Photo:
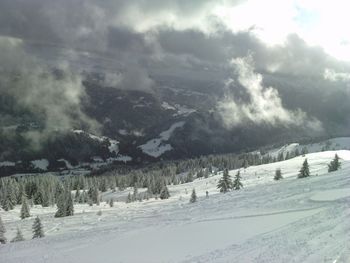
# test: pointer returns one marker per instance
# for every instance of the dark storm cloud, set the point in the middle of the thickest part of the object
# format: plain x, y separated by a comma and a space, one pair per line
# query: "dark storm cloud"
140, 35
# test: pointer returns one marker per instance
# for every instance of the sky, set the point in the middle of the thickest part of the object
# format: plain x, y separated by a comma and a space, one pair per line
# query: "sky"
133, 40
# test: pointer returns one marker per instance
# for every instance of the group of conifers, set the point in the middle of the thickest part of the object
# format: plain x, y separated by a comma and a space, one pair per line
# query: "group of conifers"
225, 185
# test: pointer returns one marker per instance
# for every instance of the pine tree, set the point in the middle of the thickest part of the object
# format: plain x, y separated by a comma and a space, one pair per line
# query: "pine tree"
237, 182
278, 174
37, 227
335, 164
2, 232
164, 194
25, 211
287, 156
129, 198
304, 151
19, 236
61, 206
190, 177
225, 182
134, 195
193, 196
304, 171
70, 205
77, 196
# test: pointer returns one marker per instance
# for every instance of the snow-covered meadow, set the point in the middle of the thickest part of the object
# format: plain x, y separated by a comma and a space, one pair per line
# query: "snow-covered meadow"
292, 220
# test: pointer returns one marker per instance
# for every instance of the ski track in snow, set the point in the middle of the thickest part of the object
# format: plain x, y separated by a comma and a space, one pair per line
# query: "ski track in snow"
292, 220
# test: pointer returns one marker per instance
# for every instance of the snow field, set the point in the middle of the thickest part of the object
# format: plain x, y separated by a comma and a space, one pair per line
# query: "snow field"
292, 220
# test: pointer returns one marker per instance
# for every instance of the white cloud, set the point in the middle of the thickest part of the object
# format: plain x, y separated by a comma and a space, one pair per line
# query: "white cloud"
264, 105
336, 76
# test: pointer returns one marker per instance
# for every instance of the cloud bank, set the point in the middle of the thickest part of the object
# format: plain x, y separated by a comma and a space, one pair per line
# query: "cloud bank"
262, 105
57, 96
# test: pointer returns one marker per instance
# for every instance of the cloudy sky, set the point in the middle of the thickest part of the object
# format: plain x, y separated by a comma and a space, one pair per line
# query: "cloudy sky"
132, 39
205, 30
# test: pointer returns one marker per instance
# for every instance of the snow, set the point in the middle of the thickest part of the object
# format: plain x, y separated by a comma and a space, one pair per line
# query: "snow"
331, 195
7, 163
67, 163
123, 132
331, 144
167, 106
41, 164
181, 110
113, 147
155, 147
292, 220
123, 158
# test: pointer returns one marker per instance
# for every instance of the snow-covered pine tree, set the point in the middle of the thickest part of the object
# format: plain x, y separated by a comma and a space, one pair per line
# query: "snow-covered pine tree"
287, 156
61, 206
129, 198
304, 151
77, 196
190, 176
19, 236
38, 231
304, 170
278, 174
2, 232
225, 182
6, 202
335, 164
237, 182
164, 193
193, 196
134, 195
69, 203
25, 211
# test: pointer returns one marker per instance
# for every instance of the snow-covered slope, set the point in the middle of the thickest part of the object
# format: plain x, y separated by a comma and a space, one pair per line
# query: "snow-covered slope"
156, 147
292, 220
333, 144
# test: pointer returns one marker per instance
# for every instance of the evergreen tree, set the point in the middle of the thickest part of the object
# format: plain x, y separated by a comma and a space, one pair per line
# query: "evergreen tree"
237, 182
6, 202
164, 194
77, 196
190, 177
335, 164
129, 198
280, 157
61, 206
245, 164
134, 195
287, 156
37, 227
225, 182
2, 232
19, 236
304, 151
25, 211
278, 174
304, 171
193, 196
70, 205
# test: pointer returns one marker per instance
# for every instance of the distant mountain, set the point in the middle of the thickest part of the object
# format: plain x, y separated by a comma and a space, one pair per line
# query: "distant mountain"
175, 120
